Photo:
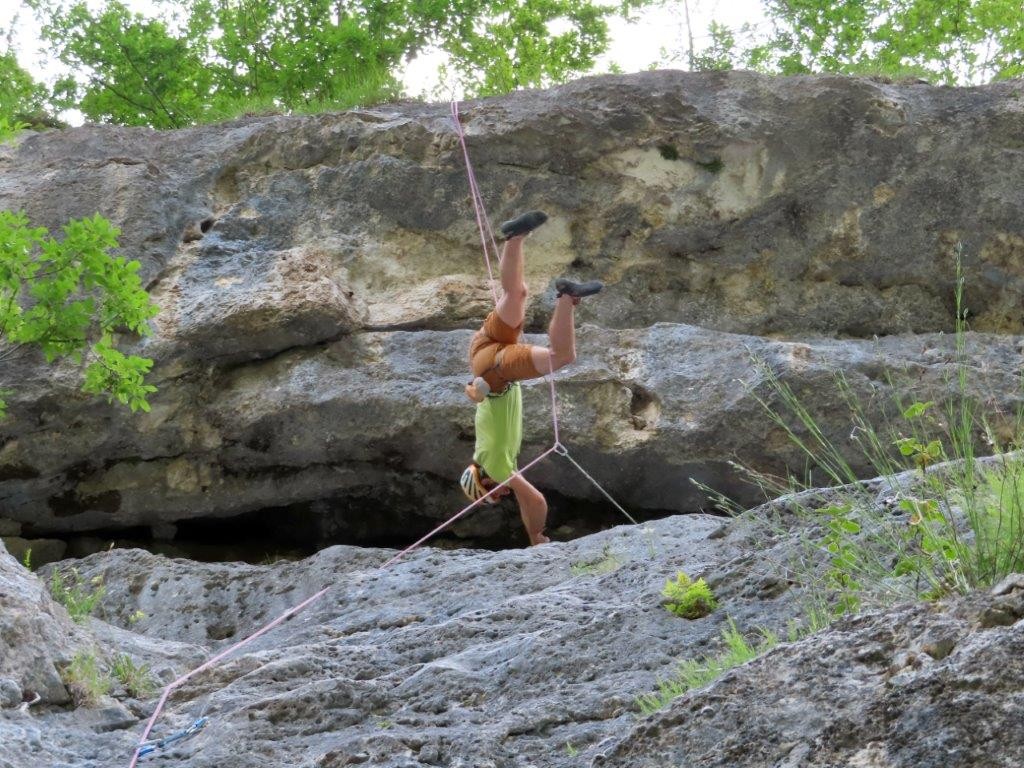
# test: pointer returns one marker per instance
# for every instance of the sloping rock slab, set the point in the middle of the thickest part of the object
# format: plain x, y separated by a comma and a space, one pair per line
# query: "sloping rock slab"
535, 658
446, 658
913, 687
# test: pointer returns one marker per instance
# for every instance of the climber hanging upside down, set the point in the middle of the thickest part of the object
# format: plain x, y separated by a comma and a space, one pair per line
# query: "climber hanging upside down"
499, 361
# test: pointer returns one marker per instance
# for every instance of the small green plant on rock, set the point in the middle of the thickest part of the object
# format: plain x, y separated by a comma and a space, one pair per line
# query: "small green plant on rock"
687, 598
607, 563
86, 680
78, 596
696, 673
715, 165
136, 678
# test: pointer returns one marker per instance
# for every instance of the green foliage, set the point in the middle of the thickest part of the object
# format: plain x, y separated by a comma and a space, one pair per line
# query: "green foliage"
86, 680
27, 559
20, 95
70, 297
136, 617
696, 673
668, 151
714, 165
138, 71
841, 573
958, 526
607, 563
9, 129
136, 678
962, 42
213, 59
722, 52
687, 598
78, 596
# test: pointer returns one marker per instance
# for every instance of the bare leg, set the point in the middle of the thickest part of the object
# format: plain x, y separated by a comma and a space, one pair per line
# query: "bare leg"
533, 508
512, 304
561, 336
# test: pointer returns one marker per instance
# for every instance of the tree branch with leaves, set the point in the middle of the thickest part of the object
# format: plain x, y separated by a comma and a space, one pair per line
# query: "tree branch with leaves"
70, 298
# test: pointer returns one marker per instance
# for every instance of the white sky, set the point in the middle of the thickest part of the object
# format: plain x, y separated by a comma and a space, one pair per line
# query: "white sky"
658, 37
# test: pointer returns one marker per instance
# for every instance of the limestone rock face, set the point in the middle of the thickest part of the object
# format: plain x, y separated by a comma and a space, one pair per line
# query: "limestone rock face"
319, 278
536, 658
900, 688
37, 638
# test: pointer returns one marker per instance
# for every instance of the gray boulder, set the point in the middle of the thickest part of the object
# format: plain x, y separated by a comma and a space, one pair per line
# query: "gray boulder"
37, 638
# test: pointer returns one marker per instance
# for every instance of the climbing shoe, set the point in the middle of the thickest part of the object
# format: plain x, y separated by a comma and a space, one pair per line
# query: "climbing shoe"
523, 224
564, 287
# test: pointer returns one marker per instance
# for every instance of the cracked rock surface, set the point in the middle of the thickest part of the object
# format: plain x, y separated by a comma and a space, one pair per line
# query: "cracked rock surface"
319, 277
533, 658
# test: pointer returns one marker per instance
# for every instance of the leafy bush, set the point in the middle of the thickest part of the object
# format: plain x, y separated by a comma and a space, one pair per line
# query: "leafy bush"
688, 599
10, 128
86, 680
79, 597
135, 678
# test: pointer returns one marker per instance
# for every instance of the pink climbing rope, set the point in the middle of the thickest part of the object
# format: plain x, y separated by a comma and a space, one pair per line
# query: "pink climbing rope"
478, 207
557, 447
211, 661
306, 603
456, 516
483, 222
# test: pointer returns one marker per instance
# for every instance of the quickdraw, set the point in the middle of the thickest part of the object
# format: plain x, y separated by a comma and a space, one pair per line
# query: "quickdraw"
153, 745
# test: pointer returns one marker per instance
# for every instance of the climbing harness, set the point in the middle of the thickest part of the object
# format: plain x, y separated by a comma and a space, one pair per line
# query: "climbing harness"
146, 746
151, 746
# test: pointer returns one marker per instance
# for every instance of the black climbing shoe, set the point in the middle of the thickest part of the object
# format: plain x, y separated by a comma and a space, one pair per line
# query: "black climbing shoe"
564, 287
523, 224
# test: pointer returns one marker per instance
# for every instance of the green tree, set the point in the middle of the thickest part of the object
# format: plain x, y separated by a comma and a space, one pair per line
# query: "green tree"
69, 298
721, 53
21, 97
128, 69
217, 58
293, 54
496, 47
948, 41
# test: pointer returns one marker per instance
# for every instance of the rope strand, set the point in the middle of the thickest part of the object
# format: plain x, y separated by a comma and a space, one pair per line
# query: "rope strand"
478, 207
485, 233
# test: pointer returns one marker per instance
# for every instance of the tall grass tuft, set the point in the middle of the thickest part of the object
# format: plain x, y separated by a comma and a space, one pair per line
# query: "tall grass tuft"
696, 673
78, 596
86, 680
954, 523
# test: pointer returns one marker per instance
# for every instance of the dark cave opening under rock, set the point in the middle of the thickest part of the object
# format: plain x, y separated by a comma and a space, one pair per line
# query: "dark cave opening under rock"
296, 531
